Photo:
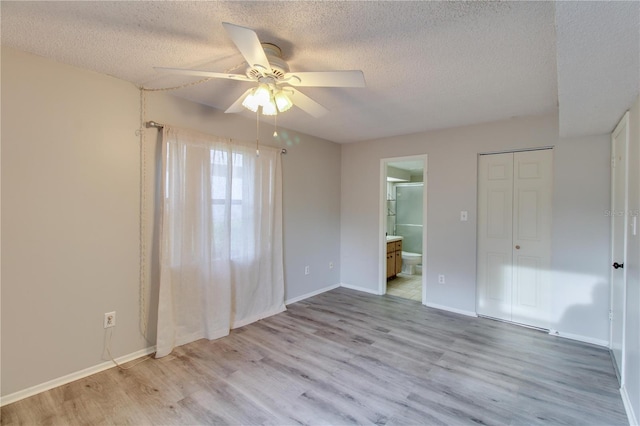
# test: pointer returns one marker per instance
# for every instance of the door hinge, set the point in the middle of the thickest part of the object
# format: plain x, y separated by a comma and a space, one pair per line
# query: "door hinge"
613, 162
610, 316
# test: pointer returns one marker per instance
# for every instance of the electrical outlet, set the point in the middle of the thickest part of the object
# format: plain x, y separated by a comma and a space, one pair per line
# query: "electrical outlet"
440, 279
306, 270
330, 265
110, 319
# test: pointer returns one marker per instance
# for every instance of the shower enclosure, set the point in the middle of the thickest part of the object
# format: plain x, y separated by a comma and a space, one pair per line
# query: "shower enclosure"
408, 215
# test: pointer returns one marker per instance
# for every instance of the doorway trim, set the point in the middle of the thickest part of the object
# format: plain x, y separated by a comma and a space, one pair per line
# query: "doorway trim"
382, 216
622, 126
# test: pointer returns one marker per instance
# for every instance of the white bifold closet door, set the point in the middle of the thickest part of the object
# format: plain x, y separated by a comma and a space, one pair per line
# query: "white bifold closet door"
514, 236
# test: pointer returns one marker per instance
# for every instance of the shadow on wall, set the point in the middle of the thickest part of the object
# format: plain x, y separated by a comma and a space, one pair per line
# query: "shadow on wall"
578, 303
576, 314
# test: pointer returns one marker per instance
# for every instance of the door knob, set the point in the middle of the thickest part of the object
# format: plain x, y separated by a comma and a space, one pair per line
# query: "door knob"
617, 265
517, 247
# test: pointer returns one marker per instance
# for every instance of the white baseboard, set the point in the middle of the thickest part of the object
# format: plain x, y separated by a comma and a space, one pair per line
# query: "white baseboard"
308, 295
246, 321
633, 420
363, 289
450, 309
580, 338
34, 390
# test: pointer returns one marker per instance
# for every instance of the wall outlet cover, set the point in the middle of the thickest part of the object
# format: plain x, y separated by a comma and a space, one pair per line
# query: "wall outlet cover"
109, 319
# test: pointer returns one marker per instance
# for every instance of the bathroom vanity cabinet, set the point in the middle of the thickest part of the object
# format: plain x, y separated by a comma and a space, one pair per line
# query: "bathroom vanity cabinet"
394, 258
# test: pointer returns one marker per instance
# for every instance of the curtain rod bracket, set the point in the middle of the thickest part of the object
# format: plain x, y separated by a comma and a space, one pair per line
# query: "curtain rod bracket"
150, 124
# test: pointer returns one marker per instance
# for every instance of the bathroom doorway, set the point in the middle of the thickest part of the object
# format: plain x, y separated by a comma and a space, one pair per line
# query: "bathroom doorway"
403, 202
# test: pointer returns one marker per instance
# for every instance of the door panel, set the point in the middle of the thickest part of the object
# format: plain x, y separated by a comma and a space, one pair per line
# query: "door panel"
498, 208
525, 291
499, 285
514, 236
495, 234
532, 239
528, 207
528, 169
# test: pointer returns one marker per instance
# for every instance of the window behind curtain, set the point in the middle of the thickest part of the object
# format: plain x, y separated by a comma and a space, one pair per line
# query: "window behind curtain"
221, 242
229, 190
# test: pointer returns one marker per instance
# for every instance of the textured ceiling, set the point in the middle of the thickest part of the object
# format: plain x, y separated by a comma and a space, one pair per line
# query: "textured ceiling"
428, 65
598, 64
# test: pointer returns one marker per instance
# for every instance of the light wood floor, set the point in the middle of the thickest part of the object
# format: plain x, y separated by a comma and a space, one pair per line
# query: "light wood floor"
345, 357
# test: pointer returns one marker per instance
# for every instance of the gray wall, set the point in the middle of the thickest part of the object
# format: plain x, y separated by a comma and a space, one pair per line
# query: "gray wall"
69, 219
70, 213
581, 230
580, 237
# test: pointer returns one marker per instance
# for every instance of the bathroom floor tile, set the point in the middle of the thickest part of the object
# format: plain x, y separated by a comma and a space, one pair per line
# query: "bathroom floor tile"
406, 286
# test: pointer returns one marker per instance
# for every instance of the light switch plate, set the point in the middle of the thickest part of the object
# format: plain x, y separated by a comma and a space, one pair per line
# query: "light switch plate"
464, 215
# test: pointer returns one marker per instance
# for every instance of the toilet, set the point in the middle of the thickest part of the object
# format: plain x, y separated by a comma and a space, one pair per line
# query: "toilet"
410, 261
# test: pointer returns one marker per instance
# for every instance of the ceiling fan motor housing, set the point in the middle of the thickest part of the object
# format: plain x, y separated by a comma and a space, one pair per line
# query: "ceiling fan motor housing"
278, 66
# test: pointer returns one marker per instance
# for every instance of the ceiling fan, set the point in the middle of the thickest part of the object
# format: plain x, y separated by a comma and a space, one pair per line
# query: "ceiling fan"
275, 87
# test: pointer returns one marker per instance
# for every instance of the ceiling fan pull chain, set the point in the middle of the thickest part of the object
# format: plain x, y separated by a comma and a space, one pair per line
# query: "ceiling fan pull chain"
257, 133
275, 126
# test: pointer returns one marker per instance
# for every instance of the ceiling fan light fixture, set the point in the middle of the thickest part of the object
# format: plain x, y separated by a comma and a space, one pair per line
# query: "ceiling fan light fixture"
282, 101
251, 102
262, 95
269, 108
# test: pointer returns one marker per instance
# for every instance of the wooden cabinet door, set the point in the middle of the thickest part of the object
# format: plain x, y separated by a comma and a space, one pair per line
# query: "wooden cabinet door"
398, 266
391, 264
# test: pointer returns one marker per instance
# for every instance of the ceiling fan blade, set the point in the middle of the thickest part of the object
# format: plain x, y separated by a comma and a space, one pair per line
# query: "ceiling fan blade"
199, 73
237, 105
354, 78
305, 103
247, 42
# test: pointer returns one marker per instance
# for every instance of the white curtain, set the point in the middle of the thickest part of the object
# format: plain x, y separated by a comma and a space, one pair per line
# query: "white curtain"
221, 239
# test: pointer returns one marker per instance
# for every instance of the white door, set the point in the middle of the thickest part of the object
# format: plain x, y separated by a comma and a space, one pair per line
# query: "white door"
619, 142
532, 185
495, 235
514, 236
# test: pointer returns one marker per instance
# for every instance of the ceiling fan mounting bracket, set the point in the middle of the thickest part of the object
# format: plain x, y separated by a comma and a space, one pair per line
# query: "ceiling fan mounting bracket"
268, 79
278, 66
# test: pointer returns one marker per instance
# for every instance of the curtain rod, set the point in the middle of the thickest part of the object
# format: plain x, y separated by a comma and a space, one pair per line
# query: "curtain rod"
541, 148
150, 124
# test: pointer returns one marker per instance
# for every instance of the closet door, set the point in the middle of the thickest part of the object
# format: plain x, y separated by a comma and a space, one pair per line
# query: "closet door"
514, 236
532, 172
495, 235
